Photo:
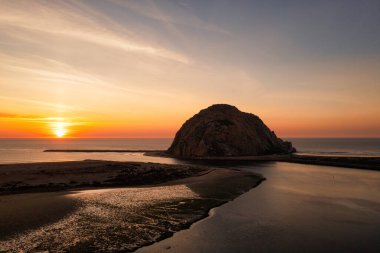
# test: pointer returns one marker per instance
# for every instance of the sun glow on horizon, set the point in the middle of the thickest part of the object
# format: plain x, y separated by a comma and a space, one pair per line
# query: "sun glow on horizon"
60, 129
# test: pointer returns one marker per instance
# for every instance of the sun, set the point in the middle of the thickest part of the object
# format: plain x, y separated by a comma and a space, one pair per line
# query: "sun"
60, 129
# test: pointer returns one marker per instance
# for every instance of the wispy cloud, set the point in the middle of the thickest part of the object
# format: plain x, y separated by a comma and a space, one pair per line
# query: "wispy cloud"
53, 72
50, 121
182, 15
5, 115
48, 69
61, 19
12, 116
37, 102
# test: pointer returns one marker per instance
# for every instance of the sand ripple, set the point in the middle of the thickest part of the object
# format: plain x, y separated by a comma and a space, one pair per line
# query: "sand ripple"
112, 220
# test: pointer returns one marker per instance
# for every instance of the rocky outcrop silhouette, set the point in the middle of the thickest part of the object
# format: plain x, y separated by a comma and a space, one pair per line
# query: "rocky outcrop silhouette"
222, 130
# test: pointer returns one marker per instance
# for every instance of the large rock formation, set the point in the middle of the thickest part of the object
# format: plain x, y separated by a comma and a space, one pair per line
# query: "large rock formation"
223, 131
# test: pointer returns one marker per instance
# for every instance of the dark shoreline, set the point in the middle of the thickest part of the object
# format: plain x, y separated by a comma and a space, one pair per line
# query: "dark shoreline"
61, 176
359, 162
101, 150
368, 163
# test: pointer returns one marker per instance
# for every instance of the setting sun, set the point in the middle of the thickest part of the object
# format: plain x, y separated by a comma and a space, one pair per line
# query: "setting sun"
60, 129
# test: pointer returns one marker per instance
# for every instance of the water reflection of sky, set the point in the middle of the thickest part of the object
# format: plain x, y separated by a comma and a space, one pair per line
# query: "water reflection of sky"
299, 208
40, 156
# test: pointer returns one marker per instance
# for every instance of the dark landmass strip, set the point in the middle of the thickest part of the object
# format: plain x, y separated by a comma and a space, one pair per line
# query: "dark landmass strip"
55, 176
370, 163
102, 150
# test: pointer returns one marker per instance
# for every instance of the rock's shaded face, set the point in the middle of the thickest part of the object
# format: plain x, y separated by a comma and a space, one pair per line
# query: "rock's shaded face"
223, 130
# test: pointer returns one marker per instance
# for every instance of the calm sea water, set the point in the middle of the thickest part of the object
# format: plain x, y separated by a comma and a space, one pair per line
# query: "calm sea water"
334, 146
31, 150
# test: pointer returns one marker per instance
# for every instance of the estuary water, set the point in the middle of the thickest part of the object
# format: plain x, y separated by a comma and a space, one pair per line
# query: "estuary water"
299, 208
31, 150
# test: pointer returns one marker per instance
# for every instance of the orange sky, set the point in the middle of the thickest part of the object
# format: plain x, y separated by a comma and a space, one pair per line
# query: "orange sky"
133, 69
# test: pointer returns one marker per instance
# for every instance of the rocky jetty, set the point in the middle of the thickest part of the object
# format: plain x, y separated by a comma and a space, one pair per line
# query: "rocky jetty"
222, 130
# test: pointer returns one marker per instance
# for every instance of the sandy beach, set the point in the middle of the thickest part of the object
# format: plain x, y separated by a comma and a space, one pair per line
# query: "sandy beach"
87, 216
54, 176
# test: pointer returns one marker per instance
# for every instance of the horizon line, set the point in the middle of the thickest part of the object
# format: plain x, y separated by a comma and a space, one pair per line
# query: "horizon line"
289, 137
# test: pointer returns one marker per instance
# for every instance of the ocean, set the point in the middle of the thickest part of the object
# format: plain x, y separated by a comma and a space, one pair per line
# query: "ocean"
337, 146
31, 150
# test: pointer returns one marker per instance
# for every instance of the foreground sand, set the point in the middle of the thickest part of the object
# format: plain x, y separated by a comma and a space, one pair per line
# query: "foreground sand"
108, 219
54, 176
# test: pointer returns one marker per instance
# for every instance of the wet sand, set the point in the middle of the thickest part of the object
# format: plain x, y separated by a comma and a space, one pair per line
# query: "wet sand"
21, 212
55, 176
116, 219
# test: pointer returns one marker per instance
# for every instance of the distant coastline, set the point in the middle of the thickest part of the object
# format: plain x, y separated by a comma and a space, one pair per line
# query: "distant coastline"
102, 150
370, 163
360, 162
